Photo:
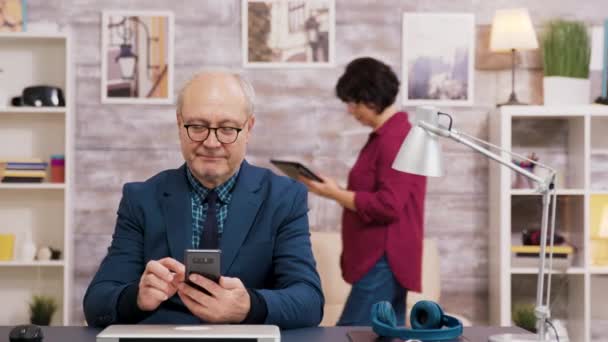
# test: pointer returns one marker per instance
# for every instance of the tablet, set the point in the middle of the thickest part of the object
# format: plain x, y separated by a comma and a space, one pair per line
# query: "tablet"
293, 169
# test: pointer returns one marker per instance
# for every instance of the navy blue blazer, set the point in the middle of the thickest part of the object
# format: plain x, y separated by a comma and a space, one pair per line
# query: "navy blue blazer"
265, 243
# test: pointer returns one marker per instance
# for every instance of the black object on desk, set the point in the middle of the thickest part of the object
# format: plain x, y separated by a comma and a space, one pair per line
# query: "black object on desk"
26, 333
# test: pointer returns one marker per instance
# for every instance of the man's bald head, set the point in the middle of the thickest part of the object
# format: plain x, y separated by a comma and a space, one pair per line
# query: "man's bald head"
218, 82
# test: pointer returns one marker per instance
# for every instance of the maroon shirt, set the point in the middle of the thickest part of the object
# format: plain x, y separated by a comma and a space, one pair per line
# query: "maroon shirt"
390, 210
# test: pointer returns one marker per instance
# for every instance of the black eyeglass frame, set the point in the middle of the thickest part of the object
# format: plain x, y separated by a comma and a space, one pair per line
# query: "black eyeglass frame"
209, 129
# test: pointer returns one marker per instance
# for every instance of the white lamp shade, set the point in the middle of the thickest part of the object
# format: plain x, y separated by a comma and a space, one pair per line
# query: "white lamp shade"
512, 29
420, 154
127, 66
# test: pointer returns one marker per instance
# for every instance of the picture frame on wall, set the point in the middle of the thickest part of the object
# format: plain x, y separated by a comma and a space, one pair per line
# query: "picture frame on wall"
438, 58
137, 64
288, 33
13, 16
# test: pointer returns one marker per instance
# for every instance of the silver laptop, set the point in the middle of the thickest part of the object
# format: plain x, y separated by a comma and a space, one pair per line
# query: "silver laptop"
190, 333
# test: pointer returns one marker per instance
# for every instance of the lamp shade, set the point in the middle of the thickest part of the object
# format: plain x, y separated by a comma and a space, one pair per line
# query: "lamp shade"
420, 152
512, 29
126, 61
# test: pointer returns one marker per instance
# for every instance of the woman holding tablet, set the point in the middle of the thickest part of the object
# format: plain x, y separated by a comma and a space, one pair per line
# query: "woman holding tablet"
383, 217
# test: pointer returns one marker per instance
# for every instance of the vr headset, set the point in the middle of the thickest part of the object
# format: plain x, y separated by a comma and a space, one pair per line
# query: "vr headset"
40, 96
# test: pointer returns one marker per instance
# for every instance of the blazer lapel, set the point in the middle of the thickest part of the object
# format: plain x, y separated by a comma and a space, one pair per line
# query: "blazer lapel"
177, 213
242, 211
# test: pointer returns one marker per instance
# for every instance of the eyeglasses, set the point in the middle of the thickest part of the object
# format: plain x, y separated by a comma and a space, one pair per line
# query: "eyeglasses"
225, 135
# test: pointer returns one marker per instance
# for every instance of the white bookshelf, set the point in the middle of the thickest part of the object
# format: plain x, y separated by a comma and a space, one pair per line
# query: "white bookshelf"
42, 209
574, 140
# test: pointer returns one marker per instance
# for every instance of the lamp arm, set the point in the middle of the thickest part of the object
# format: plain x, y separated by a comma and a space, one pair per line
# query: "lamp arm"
544, 184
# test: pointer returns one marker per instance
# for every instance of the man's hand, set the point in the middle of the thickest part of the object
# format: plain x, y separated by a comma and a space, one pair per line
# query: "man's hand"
229, 301
159, 282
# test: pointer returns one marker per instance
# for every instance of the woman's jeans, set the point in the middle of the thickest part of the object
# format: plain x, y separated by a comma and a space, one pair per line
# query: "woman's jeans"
377, 285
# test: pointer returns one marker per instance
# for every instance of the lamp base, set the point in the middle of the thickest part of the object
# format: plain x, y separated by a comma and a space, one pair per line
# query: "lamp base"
513, 101
518, 338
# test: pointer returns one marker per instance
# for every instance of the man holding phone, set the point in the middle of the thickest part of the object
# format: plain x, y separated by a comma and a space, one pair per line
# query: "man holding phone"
216, 200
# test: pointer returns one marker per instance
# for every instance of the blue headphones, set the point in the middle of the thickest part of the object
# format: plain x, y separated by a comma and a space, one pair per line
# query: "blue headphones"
427, 320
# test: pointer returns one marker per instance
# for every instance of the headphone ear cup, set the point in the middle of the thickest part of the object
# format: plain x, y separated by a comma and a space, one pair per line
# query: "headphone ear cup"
426, 315
384, 313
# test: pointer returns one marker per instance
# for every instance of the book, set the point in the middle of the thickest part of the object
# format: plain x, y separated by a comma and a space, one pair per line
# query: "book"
21, 180
536, 249
25, 166
24, 173
21, 160
7, 244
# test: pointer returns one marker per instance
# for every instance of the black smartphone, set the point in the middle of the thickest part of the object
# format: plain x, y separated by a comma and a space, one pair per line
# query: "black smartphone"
205, 262
293, 169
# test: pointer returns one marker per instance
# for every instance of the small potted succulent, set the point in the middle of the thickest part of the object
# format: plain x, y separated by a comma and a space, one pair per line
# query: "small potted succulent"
42, 309
523, 316
566, 52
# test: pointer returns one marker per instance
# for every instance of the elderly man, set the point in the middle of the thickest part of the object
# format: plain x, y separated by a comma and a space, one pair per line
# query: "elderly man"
258, 219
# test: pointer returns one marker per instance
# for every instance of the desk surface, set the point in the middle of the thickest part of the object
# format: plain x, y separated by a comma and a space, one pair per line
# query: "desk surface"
333, 334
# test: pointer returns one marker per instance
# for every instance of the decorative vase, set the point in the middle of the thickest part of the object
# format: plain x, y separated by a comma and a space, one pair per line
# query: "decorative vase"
28, 252
559, 90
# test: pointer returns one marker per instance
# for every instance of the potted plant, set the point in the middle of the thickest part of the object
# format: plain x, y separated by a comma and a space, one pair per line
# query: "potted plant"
42, 309
523, 316
566, 52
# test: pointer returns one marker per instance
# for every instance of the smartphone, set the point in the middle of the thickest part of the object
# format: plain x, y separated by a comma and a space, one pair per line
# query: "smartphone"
294, 168
205, 262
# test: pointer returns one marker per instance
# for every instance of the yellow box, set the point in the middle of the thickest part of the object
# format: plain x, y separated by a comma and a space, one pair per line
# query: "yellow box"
7, 246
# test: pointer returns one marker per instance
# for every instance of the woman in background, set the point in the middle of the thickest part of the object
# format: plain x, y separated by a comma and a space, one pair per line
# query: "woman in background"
383, 216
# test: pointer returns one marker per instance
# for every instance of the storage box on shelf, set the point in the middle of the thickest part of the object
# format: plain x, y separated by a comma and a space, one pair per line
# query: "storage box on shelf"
573, 140
37, 214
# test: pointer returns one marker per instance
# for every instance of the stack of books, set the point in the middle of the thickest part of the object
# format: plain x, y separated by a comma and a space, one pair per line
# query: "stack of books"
527, 256
23, 171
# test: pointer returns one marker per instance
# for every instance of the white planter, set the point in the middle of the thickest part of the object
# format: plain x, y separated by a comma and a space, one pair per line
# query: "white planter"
566, 90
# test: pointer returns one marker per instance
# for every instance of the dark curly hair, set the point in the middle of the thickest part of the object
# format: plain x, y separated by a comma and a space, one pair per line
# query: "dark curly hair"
369, 81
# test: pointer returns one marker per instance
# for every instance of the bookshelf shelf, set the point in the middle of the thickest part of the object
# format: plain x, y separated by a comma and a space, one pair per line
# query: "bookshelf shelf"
534, 270
51, 263
32, 186
32, 110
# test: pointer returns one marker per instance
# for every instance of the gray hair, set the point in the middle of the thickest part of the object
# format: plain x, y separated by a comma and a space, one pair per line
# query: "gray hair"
246, 87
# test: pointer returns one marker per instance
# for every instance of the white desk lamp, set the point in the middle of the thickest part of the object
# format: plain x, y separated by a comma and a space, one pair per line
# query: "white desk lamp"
420, 154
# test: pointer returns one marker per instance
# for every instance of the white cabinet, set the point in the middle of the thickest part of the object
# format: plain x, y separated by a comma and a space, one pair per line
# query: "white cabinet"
574, 140
44, 209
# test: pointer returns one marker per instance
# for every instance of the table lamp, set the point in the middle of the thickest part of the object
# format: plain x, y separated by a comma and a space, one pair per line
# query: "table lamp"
420, 154
512, 30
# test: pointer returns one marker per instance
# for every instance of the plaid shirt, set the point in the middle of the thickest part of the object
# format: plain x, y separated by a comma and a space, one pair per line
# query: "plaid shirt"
198, 194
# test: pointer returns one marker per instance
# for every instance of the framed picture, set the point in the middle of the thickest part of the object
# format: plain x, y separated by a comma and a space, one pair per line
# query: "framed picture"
288, 33
438, 59
137, 57
12, 15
